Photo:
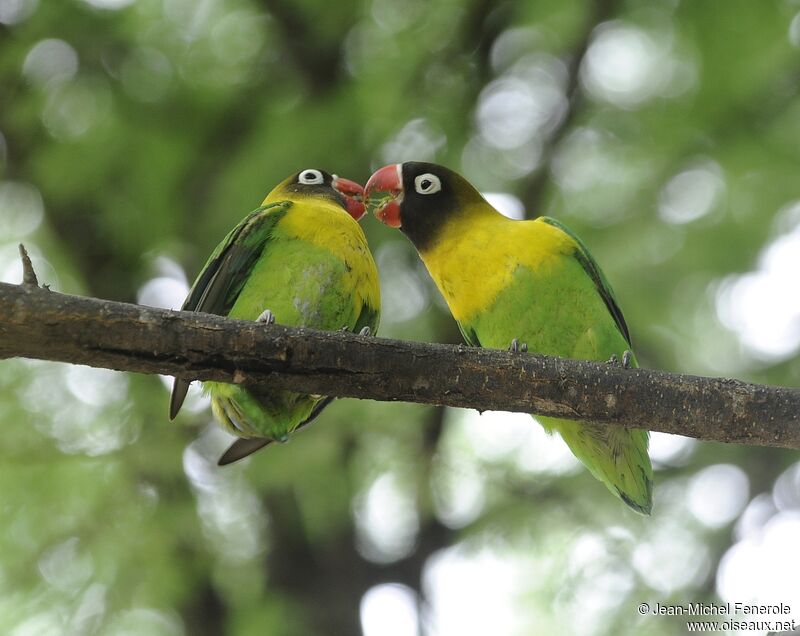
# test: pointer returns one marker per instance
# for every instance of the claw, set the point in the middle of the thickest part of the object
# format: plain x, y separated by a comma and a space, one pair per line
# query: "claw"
516, 347
626, 359
266, 317
627, 356
345, 328
365, 331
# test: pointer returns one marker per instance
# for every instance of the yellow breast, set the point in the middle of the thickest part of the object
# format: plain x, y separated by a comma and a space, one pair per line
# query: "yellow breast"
478, 253
327, 225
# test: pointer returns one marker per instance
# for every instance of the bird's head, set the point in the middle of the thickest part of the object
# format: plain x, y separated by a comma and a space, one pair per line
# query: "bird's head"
419, 198
318, 183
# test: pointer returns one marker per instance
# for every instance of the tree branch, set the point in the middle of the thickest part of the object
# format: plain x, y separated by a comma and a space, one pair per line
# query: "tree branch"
37, 323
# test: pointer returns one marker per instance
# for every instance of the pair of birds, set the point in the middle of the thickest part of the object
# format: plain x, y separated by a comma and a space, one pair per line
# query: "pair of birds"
301, 259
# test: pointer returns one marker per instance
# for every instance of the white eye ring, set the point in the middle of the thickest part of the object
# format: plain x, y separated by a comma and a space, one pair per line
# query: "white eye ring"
311, 177
427, 183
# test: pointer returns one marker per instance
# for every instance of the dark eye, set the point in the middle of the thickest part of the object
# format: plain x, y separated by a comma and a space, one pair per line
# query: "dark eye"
427, 183
310, 177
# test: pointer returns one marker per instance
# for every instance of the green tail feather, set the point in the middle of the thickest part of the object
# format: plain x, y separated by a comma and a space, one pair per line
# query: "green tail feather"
616, 456
271, 415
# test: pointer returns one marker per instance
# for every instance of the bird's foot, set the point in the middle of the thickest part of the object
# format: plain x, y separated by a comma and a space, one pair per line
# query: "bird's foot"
267, 317
627, 356
365, 331
517, 347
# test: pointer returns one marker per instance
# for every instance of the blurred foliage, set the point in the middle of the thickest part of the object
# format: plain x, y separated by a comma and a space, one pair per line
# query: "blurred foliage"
135, 133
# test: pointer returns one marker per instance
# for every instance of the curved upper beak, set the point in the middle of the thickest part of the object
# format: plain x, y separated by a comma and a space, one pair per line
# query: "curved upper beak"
384, 194
353, 195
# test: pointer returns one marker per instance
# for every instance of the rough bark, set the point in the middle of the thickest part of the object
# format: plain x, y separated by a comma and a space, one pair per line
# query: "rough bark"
38, 323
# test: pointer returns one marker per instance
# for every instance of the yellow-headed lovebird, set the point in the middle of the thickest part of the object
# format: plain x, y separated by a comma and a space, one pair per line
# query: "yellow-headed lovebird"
508, 281
300, 259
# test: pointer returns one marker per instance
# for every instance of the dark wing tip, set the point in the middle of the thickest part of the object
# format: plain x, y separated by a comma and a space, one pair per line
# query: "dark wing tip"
179, 390
241, 448
643, 507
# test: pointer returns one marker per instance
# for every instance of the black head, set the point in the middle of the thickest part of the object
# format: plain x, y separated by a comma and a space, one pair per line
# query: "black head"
422, 198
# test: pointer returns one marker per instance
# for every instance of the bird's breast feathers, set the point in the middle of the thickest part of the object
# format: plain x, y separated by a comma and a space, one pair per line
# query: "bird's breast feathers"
327, 225
473, 262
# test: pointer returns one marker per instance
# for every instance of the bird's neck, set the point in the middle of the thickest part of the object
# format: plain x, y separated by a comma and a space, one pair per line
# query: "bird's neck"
461, 254
435, 233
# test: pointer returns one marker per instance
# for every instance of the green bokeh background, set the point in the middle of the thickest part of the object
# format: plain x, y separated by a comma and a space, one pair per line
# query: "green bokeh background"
135, 133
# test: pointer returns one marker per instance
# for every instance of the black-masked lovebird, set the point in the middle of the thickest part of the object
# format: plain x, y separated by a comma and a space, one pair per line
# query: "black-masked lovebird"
508, 282
300, 259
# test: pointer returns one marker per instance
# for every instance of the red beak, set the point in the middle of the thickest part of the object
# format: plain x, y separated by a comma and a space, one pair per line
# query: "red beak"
353, 195
384, 194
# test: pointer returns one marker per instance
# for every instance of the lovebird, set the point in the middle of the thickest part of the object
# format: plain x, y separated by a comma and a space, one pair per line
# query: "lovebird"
508, 282
300, 259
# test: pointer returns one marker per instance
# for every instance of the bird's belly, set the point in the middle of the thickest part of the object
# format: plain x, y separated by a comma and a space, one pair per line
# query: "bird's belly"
554, 313
310, 291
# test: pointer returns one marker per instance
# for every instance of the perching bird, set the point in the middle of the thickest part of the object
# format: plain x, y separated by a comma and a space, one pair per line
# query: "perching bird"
509, 282
301, 259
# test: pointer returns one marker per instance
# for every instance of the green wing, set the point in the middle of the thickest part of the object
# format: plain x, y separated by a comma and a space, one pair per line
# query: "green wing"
218, 286
595, 273
369, 317
470, 337
220, 282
